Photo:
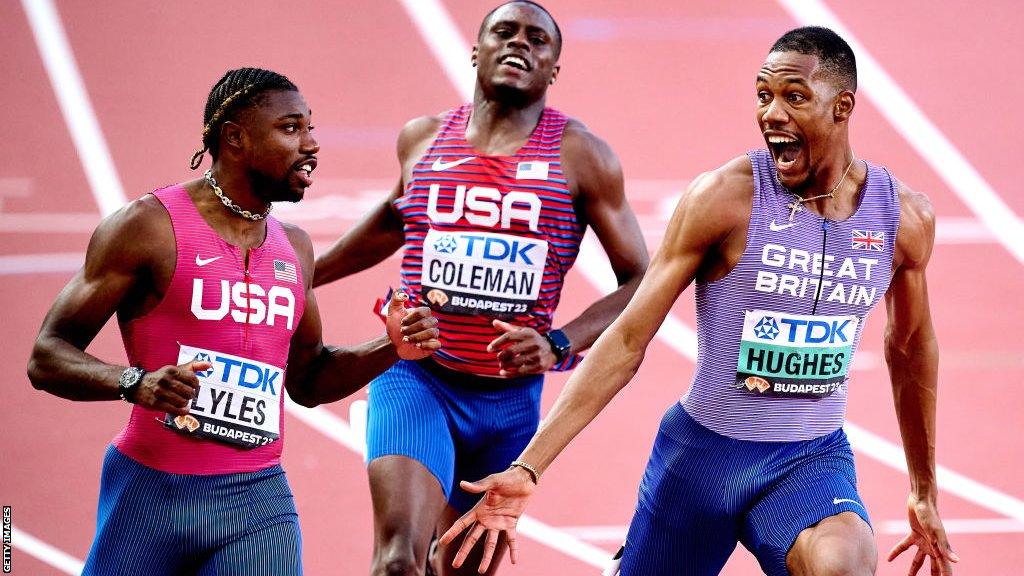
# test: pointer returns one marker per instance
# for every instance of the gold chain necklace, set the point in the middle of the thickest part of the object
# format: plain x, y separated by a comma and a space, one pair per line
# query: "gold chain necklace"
231, 205
798, 203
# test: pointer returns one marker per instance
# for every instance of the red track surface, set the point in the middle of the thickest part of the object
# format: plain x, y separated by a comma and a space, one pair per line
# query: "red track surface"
668, 85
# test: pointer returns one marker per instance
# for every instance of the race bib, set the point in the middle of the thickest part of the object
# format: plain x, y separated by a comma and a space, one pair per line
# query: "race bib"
239, 400
792, 355
482, 272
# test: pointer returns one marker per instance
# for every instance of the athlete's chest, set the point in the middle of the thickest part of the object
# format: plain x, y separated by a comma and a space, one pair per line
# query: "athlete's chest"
218, 283
517, 194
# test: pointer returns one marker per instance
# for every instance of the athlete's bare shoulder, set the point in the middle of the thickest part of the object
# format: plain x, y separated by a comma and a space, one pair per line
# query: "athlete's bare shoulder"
416, 135
589, 163
712, 216
725, 193
303, 246
916, 235
140, 228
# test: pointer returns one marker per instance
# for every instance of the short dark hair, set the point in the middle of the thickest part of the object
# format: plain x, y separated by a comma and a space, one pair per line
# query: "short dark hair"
834, 55
558, 31
235, 91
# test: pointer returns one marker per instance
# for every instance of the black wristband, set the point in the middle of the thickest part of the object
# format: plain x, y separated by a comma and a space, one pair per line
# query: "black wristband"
560, 344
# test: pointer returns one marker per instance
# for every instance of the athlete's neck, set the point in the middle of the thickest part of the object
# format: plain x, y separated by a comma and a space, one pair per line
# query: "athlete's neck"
499, 128
231, 227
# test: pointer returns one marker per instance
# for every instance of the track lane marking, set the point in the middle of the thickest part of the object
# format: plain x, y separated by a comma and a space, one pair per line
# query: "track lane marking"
75, 106
22, 541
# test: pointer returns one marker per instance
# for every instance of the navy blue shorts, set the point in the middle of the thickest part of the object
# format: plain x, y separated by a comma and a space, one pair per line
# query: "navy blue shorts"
155, 523
703, 492
459, 426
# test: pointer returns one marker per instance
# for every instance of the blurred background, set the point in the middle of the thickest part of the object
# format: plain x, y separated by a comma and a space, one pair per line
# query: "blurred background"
104, 104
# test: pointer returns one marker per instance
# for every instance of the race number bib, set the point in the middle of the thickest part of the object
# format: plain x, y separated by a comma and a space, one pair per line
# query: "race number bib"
239, 400
482, 272
795, 356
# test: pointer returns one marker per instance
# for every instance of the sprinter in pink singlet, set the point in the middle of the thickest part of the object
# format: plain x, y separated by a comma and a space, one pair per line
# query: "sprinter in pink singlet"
492, 203
214, 300
790, 247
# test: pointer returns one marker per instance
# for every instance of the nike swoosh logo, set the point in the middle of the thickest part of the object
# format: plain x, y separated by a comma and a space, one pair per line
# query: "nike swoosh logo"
777, 227
838, 501
440, 165
205, 261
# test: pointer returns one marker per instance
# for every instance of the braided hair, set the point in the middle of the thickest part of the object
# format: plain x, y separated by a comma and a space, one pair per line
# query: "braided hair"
236, 90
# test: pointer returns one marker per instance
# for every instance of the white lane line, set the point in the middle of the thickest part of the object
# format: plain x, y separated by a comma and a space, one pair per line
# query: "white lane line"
41, 263
29, 544
924, 136
678, 335
336, 428
445, 41
75, 105
616, 533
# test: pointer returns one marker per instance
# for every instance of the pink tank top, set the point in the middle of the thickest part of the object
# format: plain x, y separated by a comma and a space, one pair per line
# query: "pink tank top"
242, 322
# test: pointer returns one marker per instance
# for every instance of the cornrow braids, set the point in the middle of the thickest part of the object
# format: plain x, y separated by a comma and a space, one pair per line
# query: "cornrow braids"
235, 91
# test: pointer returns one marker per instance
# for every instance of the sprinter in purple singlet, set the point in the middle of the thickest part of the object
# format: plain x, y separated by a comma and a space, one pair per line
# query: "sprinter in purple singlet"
790, 247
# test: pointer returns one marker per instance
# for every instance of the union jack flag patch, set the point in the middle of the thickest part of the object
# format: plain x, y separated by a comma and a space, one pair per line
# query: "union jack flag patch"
285, 271
868, 240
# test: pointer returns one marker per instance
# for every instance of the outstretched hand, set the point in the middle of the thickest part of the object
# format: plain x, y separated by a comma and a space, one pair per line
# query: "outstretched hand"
413, 331
505, 497
521, 350
928, 534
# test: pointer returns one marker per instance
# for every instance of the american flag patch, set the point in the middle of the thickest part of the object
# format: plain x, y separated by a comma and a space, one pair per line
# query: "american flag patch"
868, 240
285, 271
532, 171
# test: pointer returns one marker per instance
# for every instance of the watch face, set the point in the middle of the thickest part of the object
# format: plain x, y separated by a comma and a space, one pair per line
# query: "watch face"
130, 377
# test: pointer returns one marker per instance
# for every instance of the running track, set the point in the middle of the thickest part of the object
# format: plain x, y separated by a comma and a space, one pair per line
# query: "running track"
668, 85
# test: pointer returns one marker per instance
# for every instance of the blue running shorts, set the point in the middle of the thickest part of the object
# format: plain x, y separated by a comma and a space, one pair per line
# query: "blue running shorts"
459, 426
703, 492
156, 523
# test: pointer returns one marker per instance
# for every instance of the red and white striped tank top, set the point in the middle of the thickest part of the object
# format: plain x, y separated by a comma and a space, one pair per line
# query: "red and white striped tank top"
242, 322
488, 237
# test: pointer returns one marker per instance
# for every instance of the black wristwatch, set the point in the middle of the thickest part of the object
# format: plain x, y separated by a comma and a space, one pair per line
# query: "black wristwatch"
129, 381
560, 344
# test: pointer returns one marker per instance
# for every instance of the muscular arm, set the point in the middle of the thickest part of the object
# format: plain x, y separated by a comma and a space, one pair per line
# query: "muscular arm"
702, 225
911, 349
912, 353
380, 233
117, 264
319, 374
595, 171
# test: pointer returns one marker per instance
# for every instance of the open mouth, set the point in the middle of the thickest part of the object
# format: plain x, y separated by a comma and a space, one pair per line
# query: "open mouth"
513, 61
785, 149
305, 171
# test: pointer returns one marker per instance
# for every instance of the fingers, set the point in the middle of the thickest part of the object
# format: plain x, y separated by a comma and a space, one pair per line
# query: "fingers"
459, 527
513, 545
199, 366
917, 563
467, 545
397, 302
421, 330
502, 326
509, 334
900, 548
473, 487
490, 545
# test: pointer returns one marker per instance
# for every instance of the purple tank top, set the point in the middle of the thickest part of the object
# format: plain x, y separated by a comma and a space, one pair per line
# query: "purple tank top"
776, 335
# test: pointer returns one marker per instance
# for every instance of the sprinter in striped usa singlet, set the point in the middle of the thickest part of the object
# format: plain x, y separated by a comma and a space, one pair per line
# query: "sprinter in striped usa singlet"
214, 300
790, 247
494, 199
